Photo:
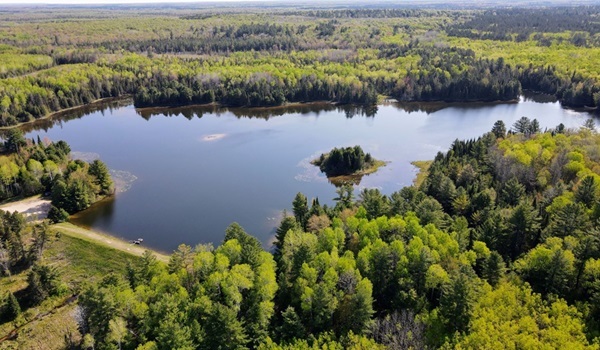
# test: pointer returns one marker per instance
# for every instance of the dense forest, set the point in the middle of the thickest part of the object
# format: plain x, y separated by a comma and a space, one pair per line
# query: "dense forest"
342, 56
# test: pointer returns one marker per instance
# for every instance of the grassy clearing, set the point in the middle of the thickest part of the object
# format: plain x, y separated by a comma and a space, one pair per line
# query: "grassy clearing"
423, 167
104, 240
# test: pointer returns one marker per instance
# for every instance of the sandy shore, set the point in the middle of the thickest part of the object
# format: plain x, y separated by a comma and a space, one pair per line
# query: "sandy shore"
35, 207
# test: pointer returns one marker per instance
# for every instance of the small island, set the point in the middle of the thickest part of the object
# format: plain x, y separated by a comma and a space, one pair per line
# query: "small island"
347, 165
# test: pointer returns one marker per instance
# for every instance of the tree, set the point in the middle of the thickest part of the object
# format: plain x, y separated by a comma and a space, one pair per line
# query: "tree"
43, 281
287, 223
117, 331
15, 140
493, 268
524, 228
512, 192
57, 215
40, 238
456, 303
586, 191
4, 259
99, 170
374, 202
534, 127
291, 326
300, 209
11, 308
499, 129
399, 330
512, 316
570, 220
223, 330
590, 124
345, 197
37, 290
522, 125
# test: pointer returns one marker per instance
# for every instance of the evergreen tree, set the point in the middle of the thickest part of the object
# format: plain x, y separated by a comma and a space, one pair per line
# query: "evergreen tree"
513, 192
99, 170
522, 126
300, 209
499, 129
524, 229
11, 308
586, 192
291, 326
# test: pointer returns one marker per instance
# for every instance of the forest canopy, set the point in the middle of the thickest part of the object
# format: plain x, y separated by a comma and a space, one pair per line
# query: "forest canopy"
260, 59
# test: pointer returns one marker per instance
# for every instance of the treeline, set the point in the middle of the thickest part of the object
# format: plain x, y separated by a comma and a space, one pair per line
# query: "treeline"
574, 91
446, 74
257, 89
32, 167
519, 24
366, 13
27, 98
456, 75
498, 248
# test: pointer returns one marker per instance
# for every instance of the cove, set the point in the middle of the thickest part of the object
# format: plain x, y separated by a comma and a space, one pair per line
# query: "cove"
197, 169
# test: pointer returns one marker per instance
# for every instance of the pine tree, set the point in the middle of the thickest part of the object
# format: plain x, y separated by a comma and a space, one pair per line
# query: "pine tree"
512, 192
586, 192
291, 326
99, 170
499, 129
12, 309
300, 209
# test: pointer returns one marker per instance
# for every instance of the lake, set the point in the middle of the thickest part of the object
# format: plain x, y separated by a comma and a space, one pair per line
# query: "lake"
192, 171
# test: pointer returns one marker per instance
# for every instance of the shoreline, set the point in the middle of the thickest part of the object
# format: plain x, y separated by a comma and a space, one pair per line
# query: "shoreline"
35, 205
385, 101
342, 179
105, 239
422, 166
65, 110
219, 105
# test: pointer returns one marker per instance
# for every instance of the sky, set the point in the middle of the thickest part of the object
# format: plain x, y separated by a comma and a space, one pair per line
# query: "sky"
84, 2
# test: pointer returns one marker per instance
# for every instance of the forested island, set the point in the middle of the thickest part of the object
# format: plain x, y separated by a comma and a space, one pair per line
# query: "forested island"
341, 164
497, 245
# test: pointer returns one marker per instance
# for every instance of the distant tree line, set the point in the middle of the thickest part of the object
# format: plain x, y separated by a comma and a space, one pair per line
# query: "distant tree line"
519, 24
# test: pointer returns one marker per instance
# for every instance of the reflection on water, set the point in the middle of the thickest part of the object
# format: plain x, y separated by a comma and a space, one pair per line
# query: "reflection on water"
197, 111
59, 118
191, 171
100, 213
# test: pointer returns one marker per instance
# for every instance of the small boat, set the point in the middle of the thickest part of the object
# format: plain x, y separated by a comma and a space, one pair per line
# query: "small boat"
140, 240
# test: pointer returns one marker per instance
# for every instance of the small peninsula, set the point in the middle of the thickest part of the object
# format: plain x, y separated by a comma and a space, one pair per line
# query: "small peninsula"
350, 164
